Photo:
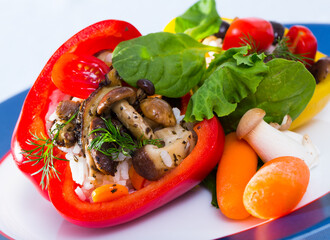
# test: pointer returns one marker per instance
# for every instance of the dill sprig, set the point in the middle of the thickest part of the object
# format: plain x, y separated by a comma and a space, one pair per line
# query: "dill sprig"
121, 142
282, 50
44, 152
249, 40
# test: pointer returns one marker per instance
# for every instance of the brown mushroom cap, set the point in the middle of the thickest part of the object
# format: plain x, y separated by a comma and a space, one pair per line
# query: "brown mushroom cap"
66, 109
88, 112
116, 95
159, 111
249, 121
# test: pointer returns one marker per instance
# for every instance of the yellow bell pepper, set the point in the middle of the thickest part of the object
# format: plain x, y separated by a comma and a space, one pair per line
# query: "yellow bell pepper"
320, 97
319, 100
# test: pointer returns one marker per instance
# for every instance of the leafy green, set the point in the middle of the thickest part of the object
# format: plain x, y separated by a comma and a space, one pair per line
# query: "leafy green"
200, 20
231, 77
174, 63
286, 89
210, 183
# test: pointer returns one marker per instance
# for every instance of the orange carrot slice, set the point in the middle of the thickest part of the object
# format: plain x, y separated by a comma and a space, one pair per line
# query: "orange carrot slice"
137, 181
109, 192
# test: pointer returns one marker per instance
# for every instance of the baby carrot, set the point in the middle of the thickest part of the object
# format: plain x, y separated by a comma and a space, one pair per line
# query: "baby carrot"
277, 187
236, 167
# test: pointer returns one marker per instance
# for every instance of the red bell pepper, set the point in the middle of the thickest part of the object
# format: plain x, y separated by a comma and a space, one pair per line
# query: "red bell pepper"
102, 35
44, 96
188, 174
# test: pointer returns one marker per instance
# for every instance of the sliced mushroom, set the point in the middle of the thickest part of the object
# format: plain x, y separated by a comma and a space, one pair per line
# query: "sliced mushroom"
130, 118
66, 109
103, 163
67, 136
113, 78
152, 163
159, 111
88, 111
106, 57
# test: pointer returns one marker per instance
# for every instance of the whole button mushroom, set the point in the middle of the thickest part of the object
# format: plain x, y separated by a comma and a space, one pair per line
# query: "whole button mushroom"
158, 111
270, 143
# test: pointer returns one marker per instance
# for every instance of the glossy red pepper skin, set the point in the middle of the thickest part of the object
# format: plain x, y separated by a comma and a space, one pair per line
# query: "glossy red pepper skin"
302, 41
99, 36
188, 174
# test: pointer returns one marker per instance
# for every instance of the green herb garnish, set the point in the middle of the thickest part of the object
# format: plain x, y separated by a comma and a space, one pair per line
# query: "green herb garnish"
122, 142
44, 151
282, 50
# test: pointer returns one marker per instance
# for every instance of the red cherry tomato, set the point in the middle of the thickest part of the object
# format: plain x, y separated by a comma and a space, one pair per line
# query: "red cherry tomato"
78, 75
302, 41
259, 30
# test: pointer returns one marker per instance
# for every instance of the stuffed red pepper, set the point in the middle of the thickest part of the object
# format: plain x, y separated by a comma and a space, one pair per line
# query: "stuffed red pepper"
102, 151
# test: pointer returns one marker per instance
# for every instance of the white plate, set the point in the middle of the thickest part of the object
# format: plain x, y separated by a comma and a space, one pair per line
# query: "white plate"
26, 215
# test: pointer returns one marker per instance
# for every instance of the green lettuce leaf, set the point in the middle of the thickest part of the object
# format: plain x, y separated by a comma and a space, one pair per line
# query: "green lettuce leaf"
200, 20
286, 89
174, 63
231, 77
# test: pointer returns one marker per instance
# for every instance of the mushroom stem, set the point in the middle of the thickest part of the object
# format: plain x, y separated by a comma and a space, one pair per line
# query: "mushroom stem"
132, 120
152, 162
270, 143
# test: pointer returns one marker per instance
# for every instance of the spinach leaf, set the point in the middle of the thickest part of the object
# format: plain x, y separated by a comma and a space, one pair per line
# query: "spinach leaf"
233, 76
200, 20
174, 63
286, 89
